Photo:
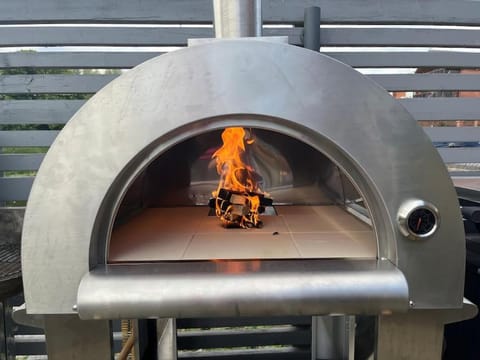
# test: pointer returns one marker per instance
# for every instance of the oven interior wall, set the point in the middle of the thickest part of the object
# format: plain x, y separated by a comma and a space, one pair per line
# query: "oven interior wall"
292, 172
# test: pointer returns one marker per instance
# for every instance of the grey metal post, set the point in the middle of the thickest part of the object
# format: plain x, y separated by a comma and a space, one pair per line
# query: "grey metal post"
418, 334
167, 339
69, 338
311, 28
237, 18
333, 337
3, 332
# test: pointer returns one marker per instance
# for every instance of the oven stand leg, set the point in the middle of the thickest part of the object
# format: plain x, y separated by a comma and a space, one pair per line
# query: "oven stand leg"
167, 339
70, 338
409, 336
333, 337
418, 334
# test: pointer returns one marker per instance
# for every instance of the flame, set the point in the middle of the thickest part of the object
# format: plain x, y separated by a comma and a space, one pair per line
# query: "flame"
234, 174
238, 178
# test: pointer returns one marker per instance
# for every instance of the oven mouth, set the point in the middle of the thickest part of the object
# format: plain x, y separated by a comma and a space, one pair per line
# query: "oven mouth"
317, 211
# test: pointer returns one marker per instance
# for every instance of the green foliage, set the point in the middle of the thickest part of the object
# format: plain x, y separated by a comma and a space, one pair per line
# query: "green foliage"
25, 150
38, 71
31, 127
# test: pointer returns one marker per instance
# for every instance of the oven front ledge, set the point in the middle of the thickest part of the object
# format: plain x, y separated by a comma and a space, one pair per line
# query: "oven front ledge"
242, 288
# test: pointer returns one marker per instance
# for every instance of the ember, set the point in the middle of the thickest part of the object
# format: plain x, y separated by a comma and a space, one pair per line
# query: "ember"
238, 200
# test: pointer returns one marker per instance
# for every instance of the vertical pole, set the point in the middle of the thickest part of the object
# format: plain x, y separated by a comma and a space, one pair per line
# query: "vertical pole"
237, 18
3, 333
9, 328
311, 28
167, 339
333, 337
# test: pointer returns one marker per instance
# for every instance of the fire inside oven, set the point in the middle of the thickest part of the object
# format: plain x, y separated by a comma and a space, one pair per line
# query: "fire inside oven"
241, 193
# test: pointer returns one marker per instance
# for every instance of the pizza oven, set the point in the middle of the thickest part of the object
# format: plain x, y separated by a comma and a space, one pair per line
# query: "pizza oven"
356, 212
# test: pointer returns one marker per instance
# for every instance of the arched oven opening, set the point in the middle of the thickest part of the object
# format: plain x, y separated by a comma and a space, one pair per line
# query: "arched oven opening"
308, 206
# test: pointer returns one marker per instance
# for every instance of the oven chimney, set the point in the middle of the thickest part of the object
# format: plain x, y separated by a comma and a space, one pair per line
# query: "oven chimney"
237, 18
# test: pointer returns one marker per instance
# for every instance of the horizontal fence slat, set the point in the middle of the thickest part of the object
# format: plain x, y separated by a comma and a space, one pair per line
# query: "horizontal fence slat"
284, 353
453, 134
399, 37
119, 36
37, 111
75, 60
100, 36
464, 173
243, 337
60, 111
27, 330
19, 162
178, 36
403, 59
242, 321
428, 82
125, 60
31, 344
27, 138
460, 155
15, 188
53, 84
443, 108
57, 84
274, 11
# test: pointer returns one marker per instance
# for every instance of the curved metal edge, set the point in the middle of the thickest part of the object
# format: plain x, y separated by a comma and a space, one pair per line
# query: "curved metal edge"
468, 311
307, 287
357, 176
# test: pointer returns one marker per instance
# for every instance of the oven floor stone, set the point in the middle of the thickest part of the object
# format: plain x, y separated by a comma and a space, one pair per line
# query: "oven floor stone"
188, 233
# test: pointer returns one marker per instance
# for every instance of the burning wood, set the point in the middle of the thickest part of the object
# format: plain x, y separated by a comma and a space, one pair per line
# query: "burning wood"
238, 200
239, 209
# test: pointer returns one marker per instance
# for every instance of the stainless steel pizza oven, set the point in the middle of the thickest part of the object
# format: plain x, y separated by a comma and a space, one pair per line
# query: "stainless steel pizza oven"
364, 217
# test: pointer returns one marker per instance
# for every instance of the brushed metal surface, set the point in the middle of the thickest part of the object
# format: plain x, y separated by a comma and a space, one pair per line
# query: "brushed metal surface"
207, 288
237, 18
418, 334
69, 338
276, 87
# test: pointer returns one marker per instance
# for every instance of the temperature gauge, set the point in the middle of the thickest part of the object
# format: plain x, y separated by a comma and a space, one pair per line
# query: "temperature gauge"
418, 219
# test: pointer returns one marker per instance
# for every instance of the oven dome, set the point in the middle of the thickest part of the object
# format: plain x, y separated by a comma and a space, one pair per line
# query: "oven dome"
276, 87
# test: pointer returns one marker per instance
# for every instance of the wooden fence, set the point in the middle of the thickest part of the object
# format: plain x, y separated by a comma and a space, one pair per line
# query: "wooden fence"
42, 88
54, 54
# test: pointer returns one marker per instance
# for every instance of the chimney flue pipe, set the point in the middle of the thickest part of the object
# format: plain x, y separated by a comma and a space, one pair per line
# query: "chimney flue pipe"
237, 18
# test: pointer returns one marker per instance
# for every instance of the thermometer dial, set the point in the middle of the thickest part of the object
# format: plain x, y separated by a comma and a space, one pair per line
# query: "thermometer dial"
418, 219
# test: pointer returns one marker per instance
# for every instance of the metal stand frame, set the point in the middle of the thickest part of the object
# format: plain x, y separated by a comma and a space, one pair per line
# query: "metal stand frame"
167, 339
69, 338
417, 334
